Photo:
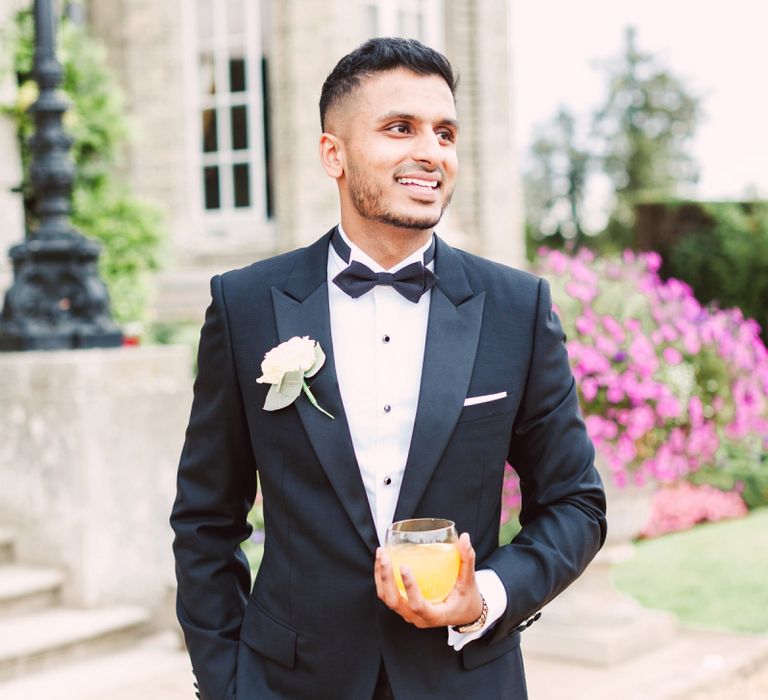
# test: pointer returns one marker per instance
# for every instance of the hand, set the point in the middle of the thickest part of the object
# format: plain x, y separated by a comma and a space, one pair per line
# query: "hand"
463, 605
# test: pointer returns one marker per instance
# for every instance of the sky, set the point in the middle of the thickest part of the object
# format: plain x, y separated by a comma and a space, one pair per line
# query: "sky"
719, 49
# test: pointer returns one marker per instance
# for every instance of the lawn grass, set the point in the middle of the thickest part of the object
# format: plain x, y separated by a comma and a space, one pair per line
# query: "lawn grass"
713, 576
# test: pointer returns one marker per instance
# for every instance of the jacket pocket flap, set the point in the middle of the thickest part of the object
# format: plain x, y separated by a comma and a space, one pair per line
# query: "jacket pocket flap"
268, 636
476, 653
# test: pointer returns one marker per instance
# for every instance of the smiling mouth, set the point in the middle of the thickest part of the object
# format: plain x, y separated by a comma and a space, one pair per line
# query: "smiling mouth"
424, 185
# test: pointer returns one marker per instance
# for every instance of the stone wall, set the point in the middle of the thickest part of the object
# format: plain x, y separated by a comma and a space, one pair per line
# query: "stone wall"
487, 204
306, 41
145, 51
89, 445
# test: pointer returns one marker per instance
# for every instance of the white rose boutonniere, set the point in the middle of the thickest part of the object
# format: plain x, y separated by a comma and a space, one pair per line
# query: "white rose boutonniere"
287, 367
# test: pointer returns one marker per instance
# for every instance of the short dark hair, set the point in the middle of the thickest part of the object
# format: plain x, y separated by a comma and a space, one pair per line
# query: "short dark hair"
377, 56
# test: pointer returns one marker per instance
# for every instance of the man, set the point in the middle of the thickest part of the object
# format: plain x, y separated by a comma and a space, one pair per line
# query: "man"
439, 366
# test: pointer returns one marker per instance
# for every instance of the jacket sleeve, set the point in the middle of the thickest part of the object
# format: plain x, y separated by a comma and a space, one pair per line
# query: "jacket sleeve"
563, 502
216, 488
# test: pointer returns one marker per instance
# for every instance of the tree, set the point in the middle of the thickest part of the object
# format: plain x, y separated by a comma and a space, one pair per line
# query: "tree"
555, 185
646, 126
640, 140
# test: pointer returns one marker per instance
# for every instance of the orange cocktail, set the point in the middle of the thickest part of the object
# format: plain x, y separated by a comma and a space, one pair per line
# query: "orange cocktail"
427, 546
434, 566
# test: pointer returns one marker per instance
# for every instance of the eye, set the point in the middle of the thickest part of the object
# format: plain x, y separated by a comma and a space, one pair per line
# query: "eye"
446, 135
399, 128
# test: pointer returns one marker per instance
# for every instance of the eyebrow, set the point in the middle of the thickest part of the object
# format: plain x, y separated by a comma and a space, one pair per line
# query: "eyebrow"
387, 116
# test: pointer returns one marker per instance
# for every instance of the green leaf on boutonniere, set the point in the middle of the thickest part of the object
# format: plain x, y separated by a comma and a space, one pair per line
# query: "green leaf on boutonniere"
319, 362
284, 394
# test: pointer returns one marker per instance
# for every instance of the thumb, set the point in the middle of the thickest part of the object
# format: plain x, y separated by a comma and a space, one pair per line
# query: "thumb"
467, 557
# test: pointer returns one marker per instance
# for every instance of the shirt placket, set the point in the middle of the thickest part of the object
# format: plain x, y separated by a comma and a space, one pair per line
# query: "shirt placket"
387, 399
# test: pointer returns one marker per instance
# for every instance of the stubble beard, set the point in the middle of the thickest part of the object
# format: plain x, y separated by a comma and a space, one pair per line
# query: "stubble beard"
367, 198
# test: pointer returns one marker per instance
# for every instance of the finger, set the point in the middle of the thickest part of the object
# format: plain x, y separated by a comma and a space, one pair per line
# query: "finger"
421, 612
384, 579
467, 557
389, 592
412, 590
377, 575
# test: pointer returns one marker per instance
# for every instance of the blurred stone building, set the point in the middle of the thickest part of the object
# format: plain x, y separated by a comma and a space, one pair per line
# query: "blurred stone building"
223, 95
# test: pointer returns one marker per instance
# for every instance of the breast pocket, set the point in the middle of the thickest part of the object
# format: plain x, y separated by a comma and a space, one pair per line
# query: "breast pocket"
487, 409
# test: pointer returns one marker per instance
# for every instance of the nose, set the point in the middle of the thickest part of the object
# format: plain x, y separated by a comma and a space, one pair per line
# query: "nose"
427, 148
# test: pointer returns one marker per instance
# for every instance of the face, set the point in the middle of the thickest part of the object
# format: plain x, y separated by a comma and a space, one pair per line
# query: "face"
396, 146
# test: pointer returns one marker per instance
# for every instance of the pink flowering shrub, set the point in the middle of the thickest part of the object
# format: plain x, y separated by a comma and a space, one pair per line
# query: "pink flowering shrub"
683, 505
663, 380
666, 385
510, 495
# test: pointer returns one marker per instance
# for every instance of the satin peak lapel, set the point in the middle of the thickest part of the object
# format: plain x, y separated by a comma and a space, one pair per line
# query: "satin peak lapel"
453, 331
302, 309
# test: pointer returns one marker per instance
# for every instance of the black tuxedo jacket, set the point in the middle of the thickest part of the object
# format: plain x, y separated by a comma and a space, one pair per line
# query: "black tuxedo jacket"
312, 627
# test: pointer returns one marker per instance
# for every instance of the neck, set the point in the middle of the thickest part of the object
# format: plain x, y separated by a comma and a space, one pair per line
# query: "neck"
387, 245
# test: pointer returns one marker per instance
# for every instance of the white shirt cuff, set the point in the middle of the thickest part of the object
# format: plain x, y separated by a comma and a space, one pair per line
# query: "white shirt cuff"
492, 589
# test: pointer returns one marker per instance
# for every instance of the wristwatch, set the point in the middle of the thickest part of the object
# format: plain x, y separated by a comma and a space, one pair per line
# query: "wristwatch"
477, 624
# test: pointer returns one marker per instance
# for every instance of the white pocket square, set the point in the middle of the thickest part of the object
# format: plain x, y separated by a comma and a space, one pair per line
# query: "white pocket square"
473, 400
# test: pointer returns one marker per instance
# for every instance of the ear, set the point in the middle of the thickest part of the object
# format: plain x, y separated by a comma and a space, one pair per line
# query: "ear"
332, 154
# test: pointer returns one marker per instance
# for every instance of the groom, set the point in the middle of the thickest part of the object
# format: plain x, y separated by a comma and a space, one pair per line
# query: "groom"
440, 367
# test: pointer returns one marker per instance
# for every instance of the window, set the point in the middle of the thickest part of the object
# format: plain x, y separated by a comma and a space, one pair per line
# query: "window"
229, 121
414, 19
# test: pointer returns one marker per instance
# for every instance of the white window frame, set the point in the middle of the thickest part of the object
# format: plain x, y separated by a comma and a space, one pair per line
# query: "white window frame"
243, 226
433, 13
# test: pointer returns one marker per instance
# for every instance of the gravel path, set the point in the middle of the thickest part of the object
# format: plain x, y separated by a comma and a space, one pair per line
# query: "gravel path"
752, 686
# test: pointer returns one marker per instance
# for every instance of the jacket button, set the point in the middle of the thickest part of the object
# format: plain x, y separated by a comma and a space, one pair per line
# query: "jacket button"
387, 408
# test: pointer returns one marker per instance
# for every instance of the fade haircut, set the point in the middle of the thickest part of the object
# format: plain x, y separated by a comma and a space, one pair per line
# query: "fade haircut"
377, 56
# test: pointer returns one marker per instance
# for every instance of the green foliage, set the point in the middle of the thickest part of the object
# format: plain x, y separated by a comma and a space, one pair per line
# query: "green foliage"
253, 549
617, 234
711, 576
727, 262
743, 467
175, 333
131, 231
509, 529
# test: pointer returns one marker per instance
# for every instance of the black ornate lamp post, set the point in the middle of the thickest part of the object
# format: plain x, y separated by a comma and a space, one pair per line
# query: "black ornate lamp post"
57, 300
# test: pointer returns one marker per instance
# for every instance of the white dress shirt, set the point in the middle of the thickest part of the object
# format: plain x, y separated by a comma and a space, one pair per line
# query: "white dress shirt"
378, 346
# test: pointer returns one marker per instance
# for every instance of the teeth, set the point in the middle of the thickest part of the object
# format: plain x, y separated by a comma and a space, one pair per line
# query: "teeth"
414, 181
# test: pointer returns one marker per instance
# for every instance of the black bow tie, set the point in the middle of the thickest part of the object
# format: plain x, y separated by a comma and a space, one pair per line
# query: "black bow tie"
411, 281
